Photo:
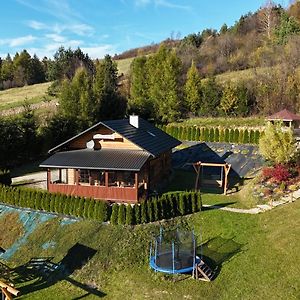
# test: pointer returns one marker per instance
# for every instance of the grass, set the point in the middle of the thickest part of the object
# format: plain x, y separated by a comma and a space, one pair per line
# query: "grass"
226, 122
124, 65
15, 231
15, 97
256, 257
185, 180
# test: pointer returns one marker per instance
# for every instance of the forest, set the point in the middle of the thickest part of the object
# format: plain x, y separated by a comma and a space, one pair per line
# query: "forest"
174, 80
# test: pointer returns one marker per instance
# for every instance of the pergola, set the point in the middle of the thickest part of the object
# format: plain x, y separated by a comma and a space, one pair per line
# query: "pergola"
223, 182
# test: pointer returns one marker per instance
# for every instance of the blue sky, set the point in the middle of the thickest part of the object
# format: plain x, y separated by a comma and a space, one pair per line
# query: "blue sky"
99, 27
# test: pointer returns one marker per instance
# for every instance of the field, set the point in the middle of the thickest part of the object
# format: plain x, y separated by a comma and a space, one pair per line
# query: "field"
15, 97
124, 65
256, 256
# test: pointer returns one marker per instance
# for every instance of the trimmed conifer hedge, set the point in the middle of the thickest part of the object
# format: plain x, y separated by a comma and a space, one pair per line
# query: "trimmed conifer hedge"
56, 203
166, 206
213, 134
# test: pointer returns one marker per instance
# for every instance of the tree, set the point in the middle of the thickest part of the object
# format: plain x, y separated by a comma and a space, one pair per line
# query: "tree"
288, 26
76, 97
193, 89
66, 62
109, 104
210, 97
139, 102
278, 144
229, 100
164, 70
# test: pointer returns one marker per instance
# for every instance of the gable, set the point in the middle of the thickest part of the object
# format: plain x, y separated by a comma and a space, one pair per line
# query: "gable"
125, 136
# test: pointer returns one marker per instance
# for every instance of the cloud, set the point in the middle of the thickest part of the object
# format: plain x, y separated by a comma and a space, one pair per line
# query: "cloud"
161, 3
56, 37
99, 51
36, 25
19, 41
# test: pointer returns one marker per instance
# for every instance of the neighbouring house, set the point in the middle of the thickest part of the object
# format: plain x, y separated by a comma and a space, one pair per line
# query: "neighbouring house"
288, 118
118, 160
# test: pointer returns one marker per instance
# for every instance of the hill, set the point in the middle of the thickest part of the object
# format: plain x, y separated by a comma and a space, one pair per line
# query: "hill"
15, 97
255, 256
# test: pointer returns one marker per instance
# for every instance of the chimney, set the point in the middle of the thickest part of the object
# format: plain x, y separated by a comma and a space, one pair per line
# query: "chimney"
134, 121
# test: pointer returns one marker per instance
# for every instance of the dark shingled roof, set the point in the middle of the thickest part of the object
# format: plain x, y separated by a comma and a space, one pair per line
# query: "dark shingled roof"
104, 159
148, 137
284, 115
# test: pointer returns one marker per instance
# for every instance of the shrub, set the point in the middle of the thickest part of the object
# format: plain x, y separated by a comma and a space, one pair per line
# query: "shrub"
137, 213
281, 173
231, 135
222, 135
236, 136
129, 215
122, 214
144, 216
217, 135
5, 177
246, 137
226, 136
114, 214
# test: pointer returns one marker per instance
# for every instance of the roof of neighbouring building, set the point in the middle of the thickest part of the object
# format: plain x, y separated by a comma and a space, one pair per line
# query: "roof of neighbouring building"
105, 159
284, 115
148, 137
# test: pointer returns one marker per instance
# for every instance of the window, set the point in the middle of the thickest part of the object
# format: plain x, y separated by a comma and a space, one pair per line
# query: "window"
84, 176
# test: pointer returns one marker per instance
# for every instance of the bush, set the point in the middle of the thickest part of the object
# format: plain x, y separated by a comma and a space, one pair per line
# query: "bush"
5, 177
129, 215
122, 214
114, 214
144, 216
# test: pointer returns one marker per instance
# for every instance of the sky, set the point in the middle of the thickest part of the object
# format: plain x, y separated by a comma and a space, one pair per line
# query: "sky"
102, 27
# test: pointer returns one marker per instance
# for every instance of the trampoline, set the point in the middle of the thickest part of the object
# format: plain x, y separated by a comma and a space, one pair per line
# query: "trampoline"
173, 252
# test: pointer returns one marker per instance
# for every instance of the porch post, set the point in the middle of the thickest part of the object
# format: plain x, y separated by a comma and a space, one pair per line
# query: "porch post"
59, 175
76, 177
136, 180
106, 178
48, 178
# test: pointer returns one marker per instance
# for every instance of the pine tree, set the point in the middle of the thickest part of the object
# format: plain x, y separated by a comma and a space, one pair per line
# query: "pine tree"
109, 104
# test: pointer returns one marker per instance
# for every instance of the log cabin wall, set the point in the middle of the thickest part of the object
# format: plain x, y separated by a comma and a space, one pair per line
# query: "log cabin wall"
118, 143
159, 169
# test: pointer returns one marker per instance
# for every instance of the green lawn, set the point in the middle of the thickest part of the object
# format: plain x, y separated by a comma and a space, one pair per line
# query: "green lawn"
256, 254
15, 97
185, 181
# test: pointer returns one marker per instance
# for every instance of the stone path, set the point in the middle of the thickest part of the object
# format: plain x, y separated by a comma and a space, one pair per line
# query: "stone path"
259, 208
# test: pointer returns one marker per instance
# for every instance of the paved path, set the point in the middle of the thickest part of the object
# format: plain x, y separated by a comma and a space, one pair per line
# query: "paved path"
259, 208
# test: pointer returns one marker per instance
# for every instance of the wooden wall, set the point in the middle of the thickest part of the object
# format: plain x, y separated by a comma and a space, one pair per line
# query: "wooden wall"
119, 194
118, 143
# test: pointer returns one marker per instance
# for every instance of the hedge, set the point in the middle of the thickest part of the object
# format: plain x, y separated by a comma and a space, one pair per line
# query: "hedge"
213, 134
55, 202
166, 206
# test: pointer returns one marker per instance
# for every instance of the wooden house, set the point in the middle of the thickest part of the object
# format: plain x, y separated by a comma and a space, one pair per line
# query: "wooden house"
118, 160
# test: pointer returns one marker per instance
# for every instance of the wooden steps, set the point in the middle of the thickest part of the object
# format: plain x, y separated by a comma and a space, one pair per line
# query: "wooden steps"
203, 272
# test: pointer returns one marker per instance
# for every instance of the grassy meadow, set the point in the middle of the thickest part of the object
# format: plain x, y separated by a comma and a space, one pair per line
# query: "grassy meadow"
256, 258
15, 97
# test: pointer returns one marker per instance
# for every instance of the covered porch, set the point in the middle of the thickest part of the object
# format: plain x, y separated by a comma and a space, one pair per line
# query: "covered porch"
113, 175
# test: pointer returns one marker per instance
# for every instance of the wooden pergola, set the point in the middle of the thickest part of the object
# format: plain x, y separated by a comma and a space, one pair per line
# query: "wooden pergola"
223, 182
8, 291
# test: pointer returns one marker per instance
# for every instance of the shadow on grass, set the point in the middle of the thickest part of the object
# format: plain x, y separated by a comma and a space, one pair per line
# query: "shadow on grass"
41, 273
218, 250
217, 206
